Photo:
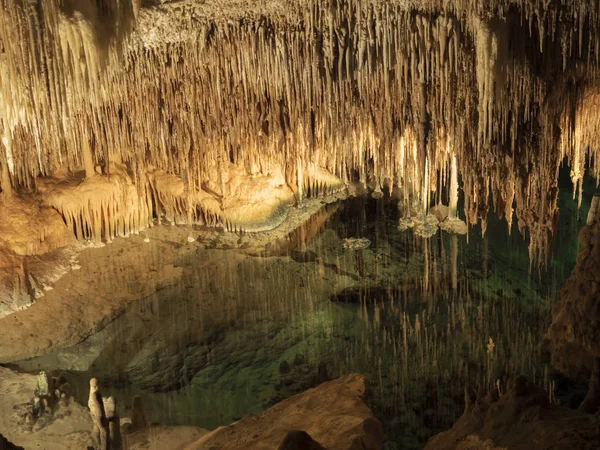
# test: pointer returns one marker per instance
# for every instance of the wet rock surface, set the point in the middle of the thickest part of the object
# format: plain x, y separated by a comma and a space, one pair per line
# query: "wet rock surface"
97, 282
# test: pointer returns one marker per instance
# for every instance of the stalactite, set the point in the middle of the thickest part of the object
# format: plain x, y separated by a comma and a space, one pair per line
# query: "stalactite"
389, 93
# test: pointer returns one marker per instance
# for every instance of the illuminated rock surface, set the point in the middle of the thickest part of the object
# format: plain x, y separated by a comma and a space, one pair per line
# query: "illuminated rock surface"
332, 414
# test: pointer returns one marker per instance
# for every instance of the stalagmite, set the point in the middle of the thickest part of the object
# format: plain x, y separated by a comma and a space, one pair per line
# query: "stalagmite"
138, 415
114, 426
100, 424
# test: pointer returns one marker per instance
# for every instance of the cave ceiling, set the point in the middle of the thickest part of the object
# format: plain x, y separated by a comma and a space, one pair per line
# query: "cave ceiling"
393, 94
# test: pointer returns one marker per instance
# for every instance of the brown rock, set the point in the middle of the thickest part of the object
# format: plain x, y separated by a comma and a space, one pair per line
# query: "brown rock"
299, 440
572, 340
332, 414
5, 445
591, 403
521, 419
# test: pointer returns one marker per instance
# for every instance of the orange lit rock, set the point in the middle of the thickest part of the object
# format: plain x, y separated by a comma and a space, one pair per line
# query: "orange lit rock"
333, 414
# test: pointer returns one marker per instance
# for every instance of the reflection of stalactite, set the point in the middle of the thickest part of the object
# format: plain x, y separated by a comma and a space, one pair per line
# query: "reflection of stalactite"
426, 267
454, 260
359, 262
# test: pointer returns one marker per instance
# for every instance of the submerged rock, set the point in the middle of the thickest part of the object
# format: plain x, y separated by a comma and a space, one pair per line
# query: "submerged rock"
284, 367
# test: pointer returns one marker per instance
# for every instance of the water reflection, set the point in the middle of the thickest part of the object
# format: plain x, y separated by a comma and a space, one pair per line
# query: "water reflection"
419, 317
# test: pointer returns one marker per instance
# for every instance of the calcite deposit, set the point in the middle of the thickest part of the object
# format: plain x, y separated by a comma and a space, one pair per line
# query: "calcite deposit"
249, 108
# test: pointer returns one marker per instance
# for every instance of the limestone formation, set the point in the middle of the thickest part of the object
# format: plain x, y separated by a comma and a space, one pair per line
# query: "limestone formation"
43, 388
331, 416
226, 114
43, 395
114, 424
100, 429
572, 340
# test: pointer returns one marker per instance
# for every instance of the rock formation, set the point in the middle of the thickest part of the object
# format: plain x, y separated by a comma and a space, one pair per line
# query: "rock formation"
332, 415
100, 436
32, 230
138, 415
522, 418
67, 426
5, 445
114, 424
572, 340
591, 403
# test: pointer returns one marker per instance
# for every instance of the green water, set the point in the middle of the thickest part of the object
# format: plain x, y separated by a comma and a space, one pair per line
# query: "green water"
243, 332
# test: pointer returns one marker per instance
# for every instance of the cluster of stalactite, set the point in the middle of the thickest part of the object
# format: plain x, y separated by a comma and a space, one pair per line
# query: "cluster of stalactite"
371, 91
51, 59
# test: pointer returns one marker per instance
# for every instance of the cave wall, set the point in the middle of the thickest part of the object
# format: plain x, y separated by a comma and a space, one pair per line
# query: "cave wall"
572, 340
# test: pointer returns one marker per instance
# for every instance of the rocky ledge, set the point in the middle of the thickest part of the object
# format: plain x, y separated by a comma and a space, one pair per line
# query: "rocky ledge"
333, 416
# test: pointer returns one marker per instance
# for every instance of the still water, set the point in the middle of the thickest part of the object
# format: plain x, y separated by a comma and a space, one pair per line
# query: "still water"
419, 317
